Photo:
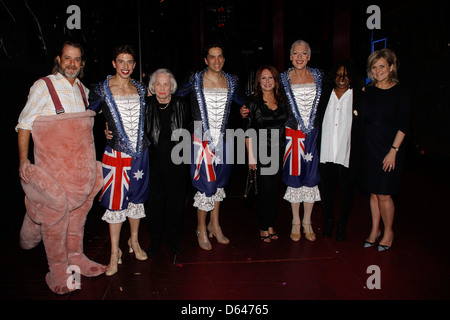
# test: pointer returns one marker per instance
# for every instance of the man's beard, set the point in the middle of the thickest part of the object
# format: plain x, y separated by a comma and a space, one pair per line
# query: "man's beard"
68, 75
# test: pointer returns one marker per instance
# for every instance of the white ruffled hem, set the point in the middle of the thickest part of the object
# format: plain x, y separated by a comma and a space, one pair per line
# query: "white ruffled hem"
302, 194
134, 211
205, 203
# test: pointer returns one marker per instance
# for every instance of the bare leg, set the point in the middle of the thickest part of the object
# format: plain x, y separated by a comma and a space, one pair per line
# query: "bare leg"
214, 226
134, 230
201, 220
214, 218
202, 236
376, 216
295, 213
296, 222
309, 233
133, 242
387, 209
307, 208
114, 234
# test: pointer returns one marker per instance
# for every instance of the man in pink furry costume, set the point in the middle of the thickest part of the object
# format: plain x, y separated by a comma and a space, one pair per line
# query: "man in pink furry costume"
60, 187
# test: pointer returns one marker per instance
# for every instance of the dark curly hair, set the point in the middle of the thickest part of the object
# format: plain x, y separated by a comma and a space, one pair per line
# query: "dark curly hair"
213, 45
123, 49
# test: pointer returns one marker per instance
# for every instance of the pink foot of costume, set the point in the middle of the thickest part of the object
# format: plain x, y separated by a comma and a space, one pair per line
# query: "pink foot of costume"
60, 193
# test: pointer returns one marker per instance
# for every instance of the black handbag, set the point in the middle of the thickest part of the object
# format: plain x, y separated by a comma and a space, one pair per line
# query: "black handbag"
251, 188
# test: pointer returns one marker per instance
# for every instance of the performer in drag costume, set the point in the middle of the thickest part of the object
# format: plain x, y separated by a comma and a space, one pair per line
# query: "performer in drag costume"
211, 93
301, 160
125, 160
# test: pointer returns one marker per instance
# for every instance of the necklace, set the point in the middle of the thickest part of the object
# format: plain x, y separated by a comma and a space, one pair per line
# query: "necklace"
167, 104
165, 107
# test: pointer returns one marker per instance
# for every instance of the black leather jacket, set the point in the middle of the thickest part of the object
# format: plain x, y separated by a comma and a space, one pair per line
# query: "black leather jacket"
180, 117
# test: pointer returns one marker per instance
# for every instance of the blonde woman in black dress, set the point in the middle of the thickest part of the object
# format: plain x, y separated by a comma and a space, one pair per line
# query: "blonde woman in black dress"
385, 113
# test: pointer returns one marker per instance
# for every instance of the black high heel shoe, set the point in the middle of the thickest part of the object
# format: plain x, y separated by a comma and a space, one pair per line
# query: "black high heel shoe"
382, 248
368, 244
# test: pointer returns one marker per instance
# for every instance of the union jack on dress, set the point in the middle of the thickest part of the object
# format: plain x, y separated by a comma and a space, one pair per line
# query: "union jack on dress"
204, 156
116, 181
295, 150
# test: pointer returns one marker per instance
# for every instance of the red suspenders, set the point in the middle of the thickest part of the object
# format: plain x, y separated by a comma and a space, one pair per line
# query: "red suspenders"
58, 106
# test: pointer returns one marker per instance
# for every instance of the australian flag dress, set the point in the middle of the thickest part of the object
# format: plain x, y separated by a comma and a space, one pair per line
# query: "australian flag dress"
301, 160
125, 160
211, 152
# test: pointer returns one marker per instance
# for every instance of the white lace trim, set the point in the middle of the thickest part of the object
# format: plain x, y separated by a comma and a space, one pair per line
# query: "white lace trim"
134, 211
205, 203
302, 194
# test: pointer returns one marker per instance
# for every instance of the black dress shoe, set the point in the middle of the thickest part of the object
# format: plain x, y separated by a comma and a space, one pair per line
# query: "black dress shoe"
176, 249
328, 229
152, 249
341, 234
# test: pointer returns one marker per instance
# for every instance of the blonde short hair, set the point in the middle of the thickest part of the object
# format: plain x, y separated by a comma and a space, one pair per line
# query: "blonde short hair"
391, 59
301, 42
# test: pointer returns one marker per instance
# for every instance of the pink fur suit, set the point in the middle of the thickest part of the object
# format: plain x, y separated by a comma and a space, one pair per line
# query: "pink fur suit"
60, 193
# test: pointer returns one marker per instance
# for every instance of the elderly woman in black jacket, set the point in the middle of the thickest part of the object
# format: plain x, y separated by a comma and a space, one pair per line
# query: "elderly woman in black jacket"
165, 113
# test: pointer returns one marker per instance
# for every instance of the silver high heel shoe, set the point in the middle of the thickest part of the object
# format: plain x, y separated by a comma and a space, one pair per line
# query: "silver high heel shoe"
219, 235
138, 252
203, 241
116, 259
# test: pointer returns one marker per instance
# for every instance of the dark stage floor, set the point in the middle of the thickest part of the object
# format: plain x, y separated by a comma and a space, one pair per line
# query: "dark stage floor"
417, 266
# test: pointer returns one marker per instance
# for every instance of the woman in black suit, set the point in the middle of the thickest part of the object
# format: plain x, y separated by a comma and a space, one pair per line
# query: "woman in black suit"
339, 146
267, 111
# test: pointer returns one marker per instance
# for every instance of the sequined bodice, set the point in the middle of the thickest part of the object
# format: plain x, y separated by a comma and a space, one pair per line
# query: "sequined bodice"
129, 109
216, 101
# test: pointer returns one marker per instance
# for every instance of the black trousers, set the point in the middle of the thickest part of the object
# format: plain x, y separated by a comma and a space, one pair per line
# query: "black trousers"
268, 196
165, 207
333, 176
